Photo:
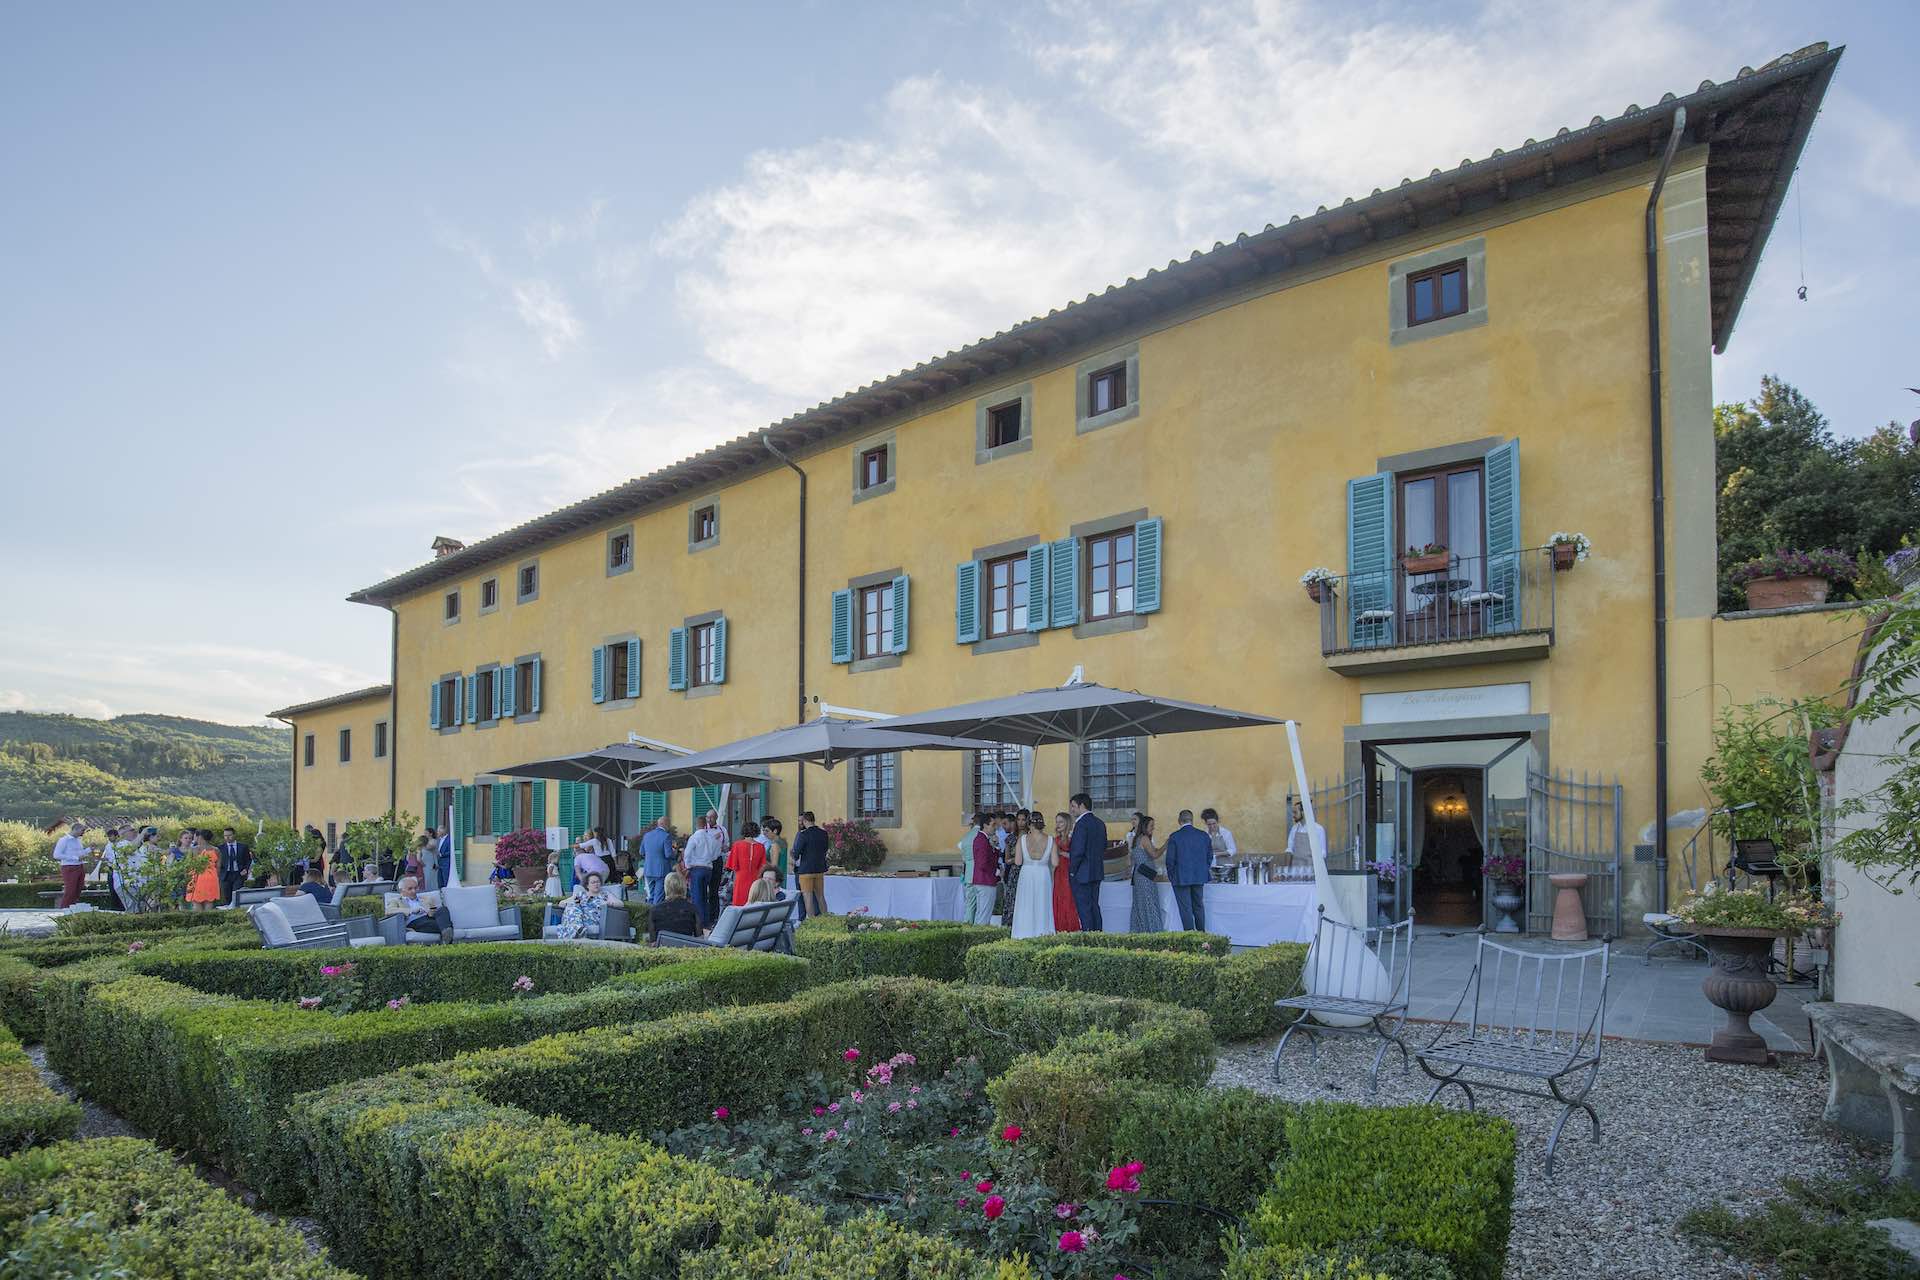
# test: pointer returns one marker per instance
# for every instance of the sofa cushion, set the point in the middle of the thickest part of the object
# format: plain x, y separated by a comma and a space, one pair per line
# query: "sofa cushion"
723, 927
472, 906
370, 940
417, 939
272, 924
301, 909
495, 932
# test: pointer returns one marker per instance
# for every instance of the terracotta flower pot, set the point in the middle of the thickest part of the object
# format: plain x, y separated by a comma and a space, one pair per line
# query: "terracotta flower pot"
1737, 982
527, 879
1782, 593
1318, 592
1434, 563
1565, 554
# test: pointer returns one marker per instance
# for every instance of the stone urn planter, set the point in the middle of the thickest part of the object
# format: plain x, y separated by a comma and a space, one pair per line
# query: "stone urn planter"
1506, 899
1737, 982
1782, 593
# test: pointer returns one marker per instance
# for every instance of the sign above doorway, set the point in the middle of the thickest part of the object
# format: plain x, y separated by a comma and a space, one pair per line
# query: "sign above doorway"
1471, 702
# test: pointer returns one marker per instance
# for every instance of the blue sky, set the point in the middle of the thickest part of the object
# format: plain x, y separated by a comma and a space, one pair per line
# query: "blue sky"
291, 289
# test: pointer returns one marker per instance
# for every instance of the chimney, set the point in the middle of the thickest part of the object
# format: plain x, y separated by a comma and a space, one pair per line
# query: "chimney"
445, 546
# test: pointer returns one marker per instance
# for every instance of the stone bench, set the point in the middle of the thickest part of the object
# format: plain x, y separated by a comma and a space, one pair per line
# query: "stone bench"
1873, 1071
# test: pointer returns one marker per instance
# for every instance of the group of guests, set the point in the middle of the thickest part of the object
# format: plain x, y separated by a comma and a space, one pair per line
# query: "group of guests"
132, 857
1056, 875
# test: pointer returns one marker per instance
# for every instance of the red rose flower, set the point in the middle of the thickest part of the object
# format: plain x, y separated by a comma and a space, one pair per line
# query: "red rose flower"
994, 1207
1011, 1133
1072, 1242
983, 1186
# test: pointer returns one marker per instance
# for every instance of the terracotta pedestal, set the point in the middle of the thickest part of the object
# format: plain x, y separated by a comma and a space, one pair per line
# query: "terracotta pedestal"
1569, 917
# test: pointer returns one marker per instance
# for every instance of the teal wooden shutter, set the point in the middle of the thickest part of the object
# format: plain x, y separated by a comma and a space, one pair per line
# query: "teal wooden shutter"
429, 811
493, 711
1503, 537
571, 814
508, 677
719, 650
1037, 585
966, 602
1146, 566
653, 807
433, 705
472, 683
1370, 576
599, 673
502, 806
535, 688
897, 643
462, 829
840, 643
677, 658
633, 668
1064, 589
705, 798
537, 805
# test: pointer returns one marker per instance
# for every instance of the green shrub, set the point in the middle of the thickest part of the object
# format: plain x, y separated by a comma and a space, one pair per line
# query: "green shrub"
1236, 991
1270, 1262
1424, 1178
24, 964
121, 1207
91, 923
30, 1113
533, 912
25, 895
1818, 1230
211, 1073
846, 947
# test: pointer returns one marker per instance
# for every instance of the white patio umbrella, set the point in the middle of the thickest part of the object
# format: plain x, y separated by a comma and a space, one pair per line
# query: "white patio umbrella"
825, 742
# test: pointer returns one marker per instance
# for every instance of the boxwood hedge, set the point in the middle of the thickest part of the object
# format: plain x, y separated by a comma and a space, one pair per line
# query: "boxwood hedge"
121, 1207
1193, 970
26, 896
87, 923
533, 912
30, 1113
26, 963
846, 947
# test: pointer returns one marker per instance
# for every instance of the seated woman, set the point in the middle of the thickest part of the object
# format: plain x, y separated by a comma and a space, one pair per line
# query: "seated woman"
586, 911
763, 890
675, 913
420, 914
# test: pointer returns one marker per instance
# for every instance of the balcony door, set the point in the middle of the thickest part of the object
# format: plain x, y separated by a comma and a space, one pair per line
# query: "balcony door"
1442, 507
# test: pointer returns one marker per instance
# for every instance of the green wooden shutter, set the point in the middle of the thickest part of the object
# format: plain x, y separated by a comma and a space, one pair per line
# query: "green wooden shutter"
966, 602
1370, 560
653, 807
570, 816
508, 677
840, 643
677, 658
599, 673
537, 805
1037, 586
429, 812
493, 711
1064, 589
719, 650
462, 829
433, 705
902, 606
535, 690
502, 814
1503, 537
633, 668
705, 798
1146, 566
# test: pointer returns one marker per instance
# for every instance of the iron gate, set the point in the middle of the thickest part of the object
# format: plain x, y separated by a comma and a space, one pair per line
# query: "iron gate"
1338, 806
1573, 825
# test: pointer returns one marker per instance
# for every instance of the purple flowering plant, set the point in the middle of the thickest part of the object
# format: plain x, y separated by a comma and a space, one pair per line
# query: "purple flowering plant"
1834, 566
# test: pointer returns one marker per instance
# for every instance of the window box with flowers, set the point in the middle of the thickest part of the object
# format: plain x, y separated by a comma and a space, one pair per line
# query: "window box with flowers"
1432, 558
1569, 548
1319, 582
1788, 578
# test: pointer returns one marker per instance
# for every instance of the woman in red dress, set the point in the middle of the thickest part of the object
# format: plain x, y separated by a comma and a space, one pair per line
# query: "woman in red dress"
747, 859
1066, 918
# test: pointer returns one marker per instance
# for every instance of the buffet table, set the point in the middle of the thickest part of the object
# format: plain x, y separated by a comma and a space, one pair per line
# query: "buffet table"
908, 897
1252, 915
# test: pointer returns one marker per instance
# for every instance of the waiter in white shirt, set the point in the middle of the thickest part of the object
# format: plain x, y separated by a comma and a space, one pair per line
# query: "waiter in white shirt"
703, 849
1300, 835
1224, 849
71, 853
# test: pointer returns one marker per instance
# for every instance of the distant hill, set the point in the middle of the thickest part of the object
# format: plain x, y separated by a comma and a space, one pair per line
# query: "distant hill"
53, 766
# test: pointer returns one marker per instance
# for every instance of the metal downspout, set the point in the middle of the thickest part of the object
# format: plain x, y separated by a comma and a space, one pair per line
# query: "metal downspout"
1658, 441
800, 631
393, 715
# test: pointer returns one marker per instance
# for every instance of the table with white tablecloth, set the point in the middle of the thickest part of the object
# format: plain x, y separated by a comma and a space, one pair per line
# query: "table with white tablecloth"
908, 897
1252, 915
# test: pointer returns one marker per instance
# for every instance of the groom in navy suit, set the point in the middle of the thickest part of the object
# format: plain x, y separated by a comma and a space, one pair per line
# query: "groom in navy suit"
1086, 860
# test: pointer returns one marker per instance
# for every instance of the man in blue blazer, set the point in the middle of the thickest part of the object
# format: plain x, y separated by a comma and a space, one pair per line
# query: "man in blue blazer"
1189, 862
1086, 860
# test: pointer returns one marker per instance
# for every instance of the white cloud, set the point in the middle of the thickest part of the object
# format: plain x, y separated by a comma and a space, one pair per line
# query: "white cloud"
544, 311
1881, 153
21, 700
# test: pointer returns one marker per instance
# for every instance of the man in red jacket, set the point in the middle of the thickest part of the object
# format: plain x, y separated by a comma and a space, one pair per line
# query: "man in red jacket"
985, 875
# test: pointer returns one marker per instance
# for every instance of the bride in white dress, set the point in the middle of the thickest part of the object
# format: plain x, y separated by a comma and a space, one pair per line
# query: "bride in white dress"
1033, 895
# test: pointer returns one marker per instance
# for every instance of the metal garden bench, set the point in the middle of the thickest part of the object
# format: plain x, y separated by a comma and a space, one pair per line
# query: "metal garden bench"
1359, 977
1535, 1016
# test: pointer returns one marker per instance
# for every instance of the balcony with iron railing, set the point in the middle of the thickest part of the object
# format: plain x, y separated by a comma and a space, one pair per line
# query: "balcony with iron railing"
1472, 609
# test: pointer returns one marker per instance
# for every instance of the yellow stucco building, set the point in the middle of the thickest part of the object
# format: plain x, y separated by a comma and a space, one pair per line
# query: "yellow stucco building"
1134, 484
342, 758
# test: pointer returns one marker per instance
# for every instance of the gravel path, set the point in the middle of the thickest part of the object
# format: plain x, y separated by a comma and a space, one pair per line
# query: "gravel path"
1676, 1132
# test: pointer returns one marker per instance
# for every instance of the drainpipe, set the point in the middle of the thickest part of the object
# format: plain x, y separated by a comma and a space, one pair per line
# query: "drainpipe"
1658, 442
293, 789
800, 630
393, 714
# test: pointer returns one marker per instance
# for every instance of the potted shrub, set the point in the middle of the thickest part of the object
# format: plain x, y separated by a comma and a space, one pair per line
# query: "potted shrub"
1319, 583
1568, 548
278, 848
1739, 927
1508, 872
853, 846
1432, 558
1386, 872
374, 840
1788, 578
524, 853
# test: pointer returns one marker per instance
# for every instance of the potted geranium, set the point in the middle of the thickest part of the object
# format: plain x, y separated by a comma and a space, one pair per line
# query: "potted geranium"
524, 853
853, 845
1432, 558
1568, 548
1788, 578
1508, 872
1319, 582
1739, 927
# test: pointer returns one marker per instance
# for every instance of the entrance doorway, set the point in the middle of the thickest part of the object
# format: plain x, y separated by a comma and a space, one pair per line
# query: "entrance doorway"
1437, 808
